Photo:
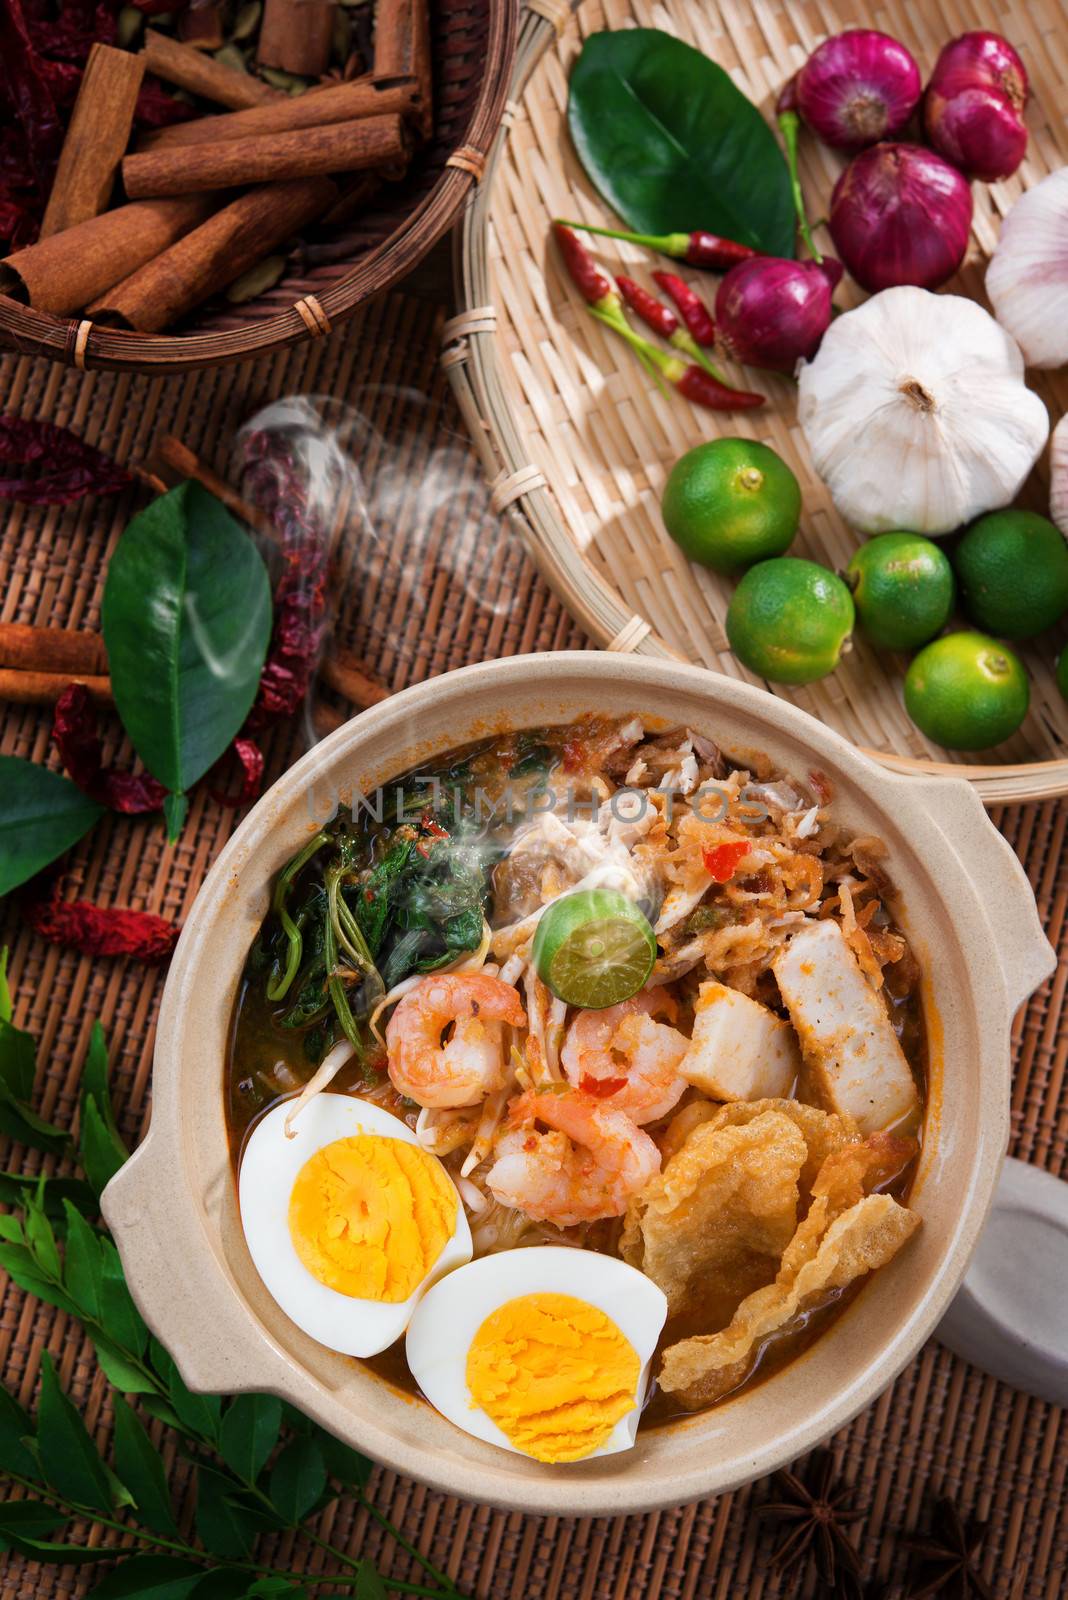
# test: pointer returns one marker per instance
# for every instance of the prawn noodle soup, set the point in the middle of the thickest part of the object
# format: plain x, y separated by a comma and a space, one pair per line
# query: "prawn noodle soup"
635, 999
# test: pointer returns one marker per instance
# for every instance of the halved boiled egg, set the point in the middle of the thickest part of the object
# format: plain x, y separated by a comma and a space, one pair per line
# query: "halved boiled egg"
544, 1350
348, 1220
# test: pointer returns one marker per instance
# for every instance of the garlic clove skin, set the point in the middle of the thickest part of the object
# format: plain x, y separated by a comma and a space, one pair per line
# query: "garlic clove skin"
1058, 476
1027, 279
917, 415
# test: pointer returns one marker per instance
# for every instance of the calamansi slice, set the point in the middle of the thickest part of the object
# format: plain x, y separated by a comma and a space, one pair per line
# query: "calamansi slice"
594, 948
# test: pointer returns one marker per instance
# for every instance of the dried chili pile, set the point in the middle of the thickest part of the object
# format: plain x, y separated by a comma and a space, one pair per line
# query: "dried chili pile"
45, 465
101, 930
75, 734
44, 45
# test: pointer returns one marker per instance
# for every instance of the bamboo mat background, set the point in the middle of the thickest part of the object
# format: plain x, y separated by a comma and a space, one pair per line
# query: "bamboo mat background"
446, 585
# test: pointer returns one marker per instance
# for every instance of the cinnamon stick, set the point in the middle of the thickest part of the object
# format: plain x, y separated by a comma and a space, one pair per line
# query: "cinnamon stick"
214, 254
64, 273
296, 35
52, 650
202, 25
96, 139
343, 672
45, 688
342, 102
402, 50
304, 153
202, 75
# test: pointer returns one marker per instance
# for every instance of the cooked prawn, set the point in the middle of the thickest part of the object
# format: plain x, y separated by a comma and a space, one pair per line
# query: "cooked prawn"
470, 1065
587, 1166
625, 1059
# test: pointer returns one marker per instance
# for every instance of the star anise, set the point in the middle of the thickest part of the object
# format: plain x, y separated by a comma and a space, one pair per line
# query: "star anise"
947, 1558
816, 1511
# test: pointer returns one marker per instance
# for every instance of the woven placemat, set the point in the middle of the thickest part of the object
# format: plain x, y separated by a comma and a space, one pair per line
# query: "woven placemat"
442, 586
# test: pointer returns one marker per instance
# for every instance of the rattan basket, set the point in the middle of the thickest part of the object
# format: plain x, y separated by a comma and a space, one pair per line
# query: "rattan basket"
576, 443
473, 49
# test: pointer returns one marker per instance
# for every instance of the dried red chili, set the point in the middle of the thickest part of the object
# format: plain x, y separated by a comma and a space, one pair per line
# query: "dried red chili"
101, 930
74, 732
721, 860
250, 759
157, 108
273, 482
43, 464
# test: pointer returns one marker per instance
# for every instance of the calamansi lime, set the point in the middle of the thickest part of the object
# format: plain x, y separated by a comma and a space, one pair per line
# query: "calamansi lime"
967, 691
594, 948
1013, 571
902, 588
731, 502
789, 620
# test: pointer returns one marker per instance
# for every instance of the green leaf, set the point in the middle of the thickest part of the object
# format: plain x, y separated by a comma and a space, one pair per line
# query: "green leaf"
18, 1060
249, 1433
140, 1466
274, 1588
199, 1414
226, 1527
52, 1192
175, 811
23, 1124
120, 1370
5, 988
30, 1518
150, 1578
120, 1316
187, 620
15, 1427
68, 1455
344, 1463
369, 1584
99, 1158
41, 815
82, 1266
673, 146
230, 1583
20, 1266
96, 1085
298, 1478
41, 1240
18, 1068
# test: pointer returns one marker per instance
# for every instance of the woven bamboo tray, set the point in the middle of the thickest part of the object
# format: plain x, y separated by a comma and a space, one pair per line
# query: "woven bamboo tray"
578, 444
438, 589
472, 47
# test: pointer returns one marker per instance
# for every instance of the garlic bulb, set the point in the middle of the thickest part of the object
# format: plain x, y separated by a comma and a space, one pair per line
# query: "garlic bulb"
916, 413
1058, 476
1027, 279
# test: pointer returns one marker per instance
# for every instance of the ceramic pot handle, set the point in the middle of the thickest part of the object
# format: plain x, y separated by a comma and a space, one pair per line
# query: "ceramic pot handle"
1027, 957
177, 1283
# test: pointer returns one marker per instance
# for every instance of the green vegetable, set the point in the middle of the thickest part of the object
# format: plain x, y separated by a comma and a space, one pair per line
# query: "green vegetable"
187, 620
672, 144
41, 815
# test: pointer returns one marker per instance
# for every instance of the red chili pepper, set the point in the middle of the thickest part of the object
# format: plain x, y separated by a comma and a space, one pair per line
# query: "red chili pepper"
721, 860
601, 1088
42, 464
595, 287
250, 759
102, 930
704, 390
700, 249
652, 311
695, 314
75, 735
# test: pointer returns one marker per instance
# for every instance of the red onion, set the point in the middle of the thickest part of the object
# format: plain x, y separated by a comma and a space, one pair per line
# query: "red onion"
773, 313
900, 214
857, 87
973, 110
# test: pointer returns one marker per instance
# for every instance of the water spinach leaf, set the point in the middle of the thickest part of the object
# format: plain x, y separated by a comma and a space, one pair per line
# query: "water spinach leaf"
673, 145
187, 621
41, 815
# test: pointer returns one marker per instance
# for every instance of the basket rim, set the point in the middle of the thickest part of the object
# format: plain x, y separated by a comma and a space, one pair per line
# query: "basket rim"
78, 341
471, 358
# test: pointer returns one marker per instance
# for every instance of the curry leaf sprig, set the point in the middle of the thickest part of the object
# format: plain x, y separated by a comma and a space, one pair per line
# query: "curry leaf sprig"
259, 1466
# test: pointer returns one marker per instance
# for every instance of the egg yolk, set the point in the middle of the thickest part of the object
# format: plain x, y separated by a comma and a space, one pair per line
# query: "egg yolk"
369, 1216
554, 1373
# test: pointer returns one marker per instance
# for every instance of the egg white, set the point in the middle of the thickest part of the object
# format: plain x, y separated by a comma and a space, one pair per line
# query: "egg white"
269, 1169
450, 1314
